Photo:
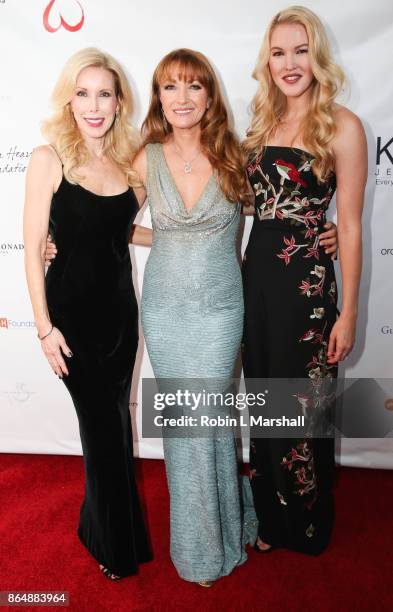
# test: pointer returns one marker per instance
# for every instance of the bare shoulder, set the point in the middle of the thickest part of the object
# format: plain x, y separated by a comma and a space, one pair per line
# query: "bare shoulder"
350, 130
139, 164
44, 159
45, 154
45, 166
350, 146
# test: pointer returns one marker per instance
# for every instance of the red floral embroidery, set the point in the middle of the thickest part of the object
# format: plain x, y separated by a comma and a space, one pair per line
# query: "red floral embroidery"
305, 481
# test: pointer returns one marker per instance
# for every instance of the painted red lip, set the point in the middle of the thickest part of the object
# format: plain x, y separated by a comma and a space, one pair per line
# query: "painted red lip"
92, 122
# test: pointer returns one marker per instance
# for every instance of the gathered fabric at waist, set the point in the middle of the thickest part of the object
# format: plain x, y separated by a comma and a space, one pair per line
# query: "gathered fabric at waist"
277, 231
283, 240
287, 225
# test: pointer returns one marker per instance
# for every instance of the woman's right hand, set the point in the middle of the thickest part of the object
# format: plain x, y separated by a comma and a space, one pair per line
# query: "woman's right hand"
50, 251
54, 347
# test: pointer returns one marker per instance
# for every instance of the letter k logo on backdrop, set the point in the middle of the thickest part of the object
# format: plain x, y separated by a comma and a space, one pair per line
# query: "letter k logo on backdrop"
67, 14
383, 149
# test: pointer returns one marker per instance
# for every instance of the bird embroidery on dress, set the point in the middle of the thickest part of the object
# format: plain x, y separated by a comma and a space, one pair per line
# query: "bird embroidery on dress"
289, 172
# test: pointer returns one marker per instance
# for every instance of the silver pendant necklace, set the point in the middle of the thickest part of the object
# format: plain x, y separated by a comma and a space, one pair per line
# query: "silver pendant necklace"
187, 164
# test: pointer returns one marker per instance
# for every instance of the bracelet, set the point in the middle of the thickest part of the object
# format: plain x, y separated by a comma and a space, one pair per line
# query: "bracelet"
46, 335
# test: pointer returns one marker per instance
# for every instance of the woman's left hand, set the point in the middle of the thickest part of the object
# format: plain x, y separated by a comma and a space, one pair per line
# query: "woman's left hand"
329, 239
342, 339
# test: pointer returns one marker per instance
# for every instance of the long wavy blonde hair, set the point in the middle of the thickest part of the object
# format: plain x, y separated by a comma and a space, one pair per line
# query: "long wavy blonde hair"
269, 103
218, 141
121, 141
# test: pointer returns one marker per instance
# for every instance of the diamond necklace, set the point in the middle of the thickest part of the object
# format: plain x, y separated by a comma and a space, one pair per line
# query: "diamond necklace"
187, 164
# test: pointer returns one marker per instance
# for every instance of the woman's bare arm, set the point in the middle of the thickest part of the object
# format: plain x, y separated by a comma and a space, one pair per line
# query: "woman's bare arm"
141, 235
139, 165
40, 185
42, 179
350, 149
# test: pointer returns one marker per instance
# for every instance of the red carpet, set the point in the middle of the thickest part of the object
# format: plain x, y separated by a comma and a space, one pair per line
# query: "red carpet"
40, 497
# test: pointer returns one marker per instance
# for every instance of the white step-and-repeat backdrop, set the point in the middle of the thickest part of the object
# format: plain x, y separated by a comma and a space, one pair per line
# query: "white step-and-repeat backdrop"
36, 37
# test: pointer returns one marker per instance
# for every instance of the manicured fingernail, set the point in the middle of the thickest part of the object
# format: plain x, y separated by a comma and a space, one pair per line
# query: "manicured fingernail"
70, 354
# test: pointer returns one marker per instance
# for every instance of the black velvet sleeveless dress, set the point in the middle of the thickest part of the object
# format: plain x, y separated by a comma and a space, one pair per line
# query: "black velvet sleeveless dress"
290, 308
91, 300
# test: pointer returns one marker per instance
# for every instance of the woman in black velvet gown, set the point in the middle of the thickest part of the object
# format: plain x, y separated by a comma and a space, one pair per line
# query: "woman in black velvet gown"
80, 187
302, 146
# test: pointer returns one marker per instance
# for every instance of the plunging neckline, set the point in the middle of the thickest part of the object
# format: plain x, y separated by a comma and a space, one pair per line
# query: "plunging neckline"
172, 180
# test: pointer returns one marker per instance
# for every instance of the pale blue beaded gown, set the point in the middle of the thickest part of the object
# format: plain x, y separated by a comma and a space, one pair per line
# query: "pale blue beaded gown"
192, 317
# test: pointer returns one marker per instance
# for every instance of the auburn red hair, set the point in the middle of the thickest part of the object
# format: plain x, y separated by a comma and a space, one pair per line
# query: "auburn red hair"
218, 141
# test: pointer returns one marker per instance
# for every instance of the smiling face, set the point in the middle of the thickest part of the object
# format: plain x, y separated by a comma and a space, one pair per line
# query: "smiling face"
289, 60
184, 100
94, 102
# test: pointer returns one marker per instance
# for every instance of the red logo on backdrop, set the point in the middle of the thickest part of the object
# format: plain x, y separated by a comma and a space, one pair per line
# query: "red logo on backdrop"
4, 322
56, 17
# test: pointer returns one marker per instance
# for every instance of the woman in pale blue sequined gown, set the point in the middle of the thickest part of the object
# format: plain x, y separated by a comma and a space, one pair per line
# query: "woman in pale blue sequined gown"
192, 317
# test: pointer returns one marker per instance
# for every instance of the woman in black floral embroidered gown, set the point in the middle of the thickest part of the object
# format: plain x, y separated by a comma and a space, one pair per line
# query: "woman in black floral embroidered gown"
301, 145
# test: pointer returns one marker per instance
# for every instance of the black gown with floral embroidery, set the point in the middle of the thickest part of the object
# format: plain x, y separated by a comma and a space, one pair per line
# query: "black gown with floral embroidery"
290, 308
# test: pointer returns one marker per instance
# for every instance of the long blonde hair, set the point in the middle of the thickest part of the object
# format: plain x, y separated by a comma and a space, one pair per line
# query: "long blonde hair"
269, 103
121, 141
218, 141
